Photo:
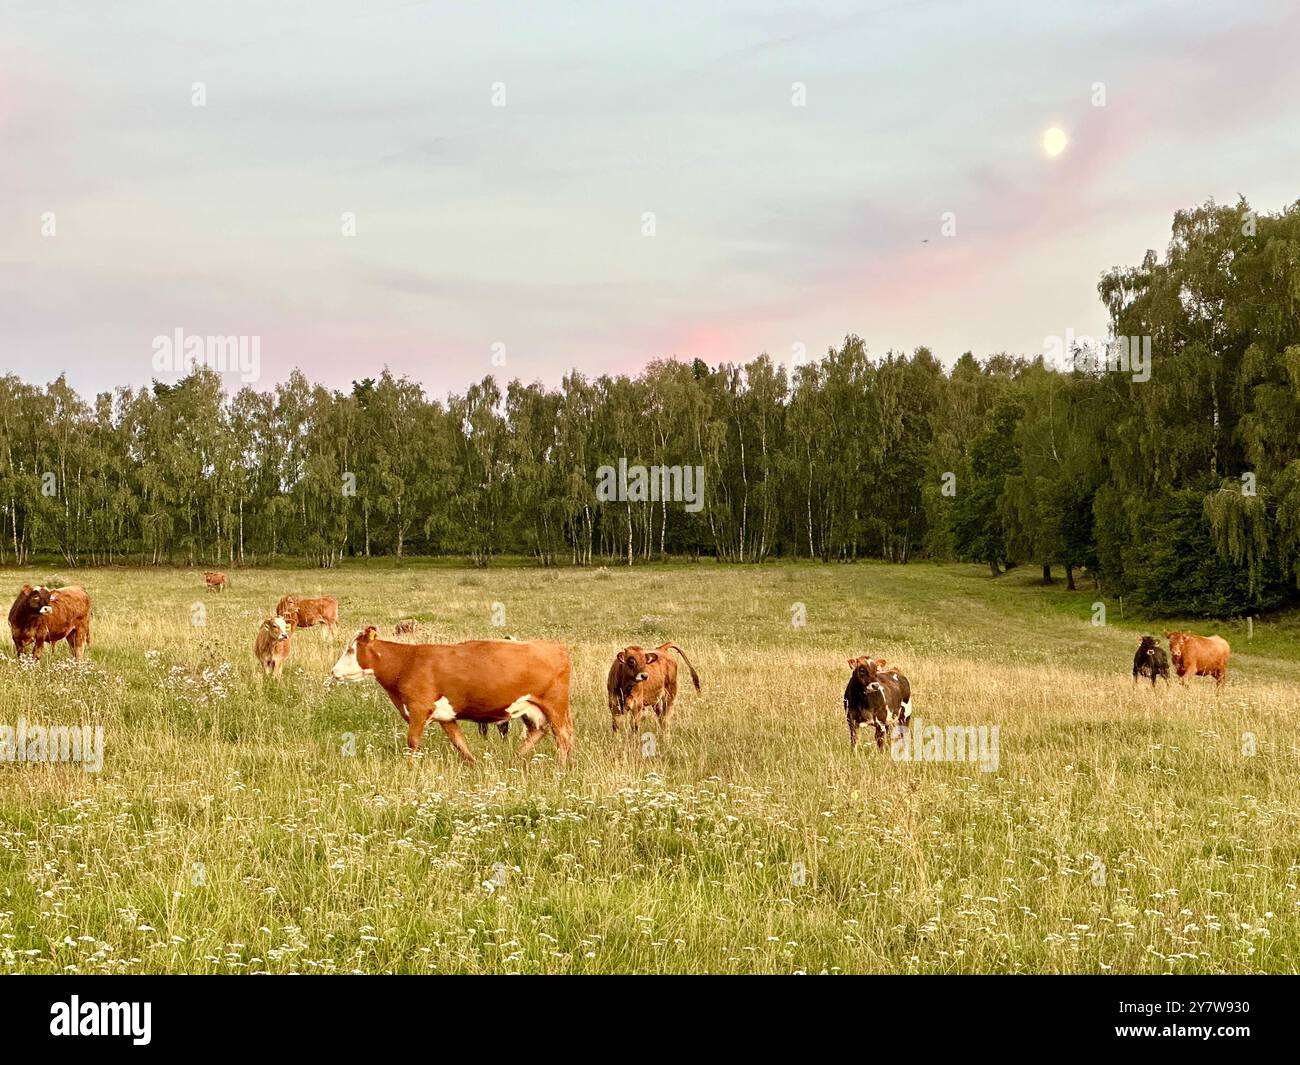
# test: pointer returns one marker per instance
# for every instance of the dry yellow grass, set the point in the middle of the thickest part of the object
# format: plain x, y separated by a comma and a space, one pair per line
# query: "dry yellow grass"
230, 830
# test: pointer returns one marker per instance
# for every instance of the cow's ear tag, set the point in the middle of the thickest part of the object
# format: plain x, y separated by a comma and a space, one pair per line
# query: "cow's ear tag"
371, 633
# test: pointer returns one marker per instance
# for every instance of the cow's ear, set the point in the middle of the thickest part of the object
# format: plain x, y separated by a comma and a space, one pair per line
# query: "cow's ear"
880, 663
651, 657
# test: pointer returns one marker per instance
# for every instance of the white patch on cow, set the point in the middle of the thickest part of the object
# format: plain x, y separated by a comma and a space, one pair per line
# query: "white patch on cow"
348, 668
281, 628
443, 710
525, 708
905, 711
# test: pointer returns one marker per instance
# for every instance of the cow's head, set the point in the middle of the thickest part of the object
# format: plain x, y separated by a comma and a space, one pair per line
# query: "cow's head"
288, 606
633, 665
37, 600
278, 627
349, 666
865, 668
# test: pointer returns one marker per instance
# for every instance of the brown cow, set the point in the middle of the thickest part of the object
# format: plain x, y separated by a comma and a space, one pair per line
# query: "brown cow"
639, 679
305, 613
877, 696
1201, 656
216, 580
43, 615
483, 681
272, 644
405, 626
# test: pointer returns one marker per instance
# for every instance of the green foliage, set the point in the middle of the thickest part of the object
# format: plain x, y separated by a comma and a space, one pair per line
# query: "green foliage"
1178, 486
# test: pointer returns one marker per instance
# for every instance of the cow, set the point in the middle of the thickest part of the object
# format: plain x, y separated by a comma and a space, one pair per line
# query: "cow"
484, 681
304, 613
216, 580
1201, 656
639, 679
1150, 660
272, 645
404, 627
877, 696
43, 615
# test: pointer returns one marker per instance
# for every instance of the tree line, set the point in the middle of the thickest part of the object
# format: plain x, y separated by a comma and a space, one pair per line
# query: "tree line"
1179, 488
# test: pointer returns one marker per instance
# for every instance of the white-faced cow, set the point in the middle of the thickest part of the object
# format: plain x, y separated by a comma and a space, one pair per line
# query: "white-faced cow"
484, 681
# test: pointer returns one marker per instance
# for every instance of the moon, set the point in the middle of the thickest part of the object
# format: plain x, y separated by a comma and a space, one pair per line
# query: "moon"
1054, 141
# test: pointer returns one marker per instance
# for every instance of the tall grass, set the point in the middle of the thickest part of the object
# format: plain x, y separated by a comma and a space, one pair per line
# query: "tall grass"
231, 830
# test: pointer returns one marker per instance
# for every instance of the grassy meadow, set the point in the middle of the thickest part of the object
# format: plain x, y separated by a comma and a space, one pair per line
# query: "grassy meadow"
235, 826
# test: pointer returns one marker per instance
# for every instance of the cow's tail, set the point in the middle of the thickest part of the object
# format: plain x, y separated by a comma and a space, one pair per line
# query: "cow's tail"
695, 677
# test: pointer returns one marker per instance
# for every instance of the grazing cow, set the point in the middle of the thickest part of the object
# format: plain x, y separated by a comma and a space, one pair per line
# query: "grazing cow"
1150, 660
304, 613
484, 681
216, 580
272, 644
43, 615
404, 627
878, 696
1201, 656
639, 679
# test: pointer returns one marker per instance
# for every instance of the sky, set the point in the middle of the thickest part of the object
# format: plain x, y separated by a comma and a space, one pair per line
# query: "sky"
550, 186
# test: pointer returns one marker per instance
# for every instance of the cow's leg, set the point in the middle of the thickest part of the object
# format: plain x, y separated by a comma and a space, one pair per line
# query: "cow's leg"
482, 728
503, 727
533, 737
853, 732
416, 719
452, 729
562, 731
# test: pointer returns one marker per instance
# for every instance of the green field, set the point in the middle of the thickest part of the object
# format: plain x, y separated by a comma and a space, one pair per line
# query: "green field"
229, 830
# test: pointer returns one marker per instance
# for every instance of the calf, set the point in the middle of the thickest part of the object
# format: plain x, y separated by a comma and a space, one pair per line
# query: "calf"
304, 613
272, 644
639, 679
43, 615
216, 580
1201, 656
878, 696
484, 681
1150, 660
404, 627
